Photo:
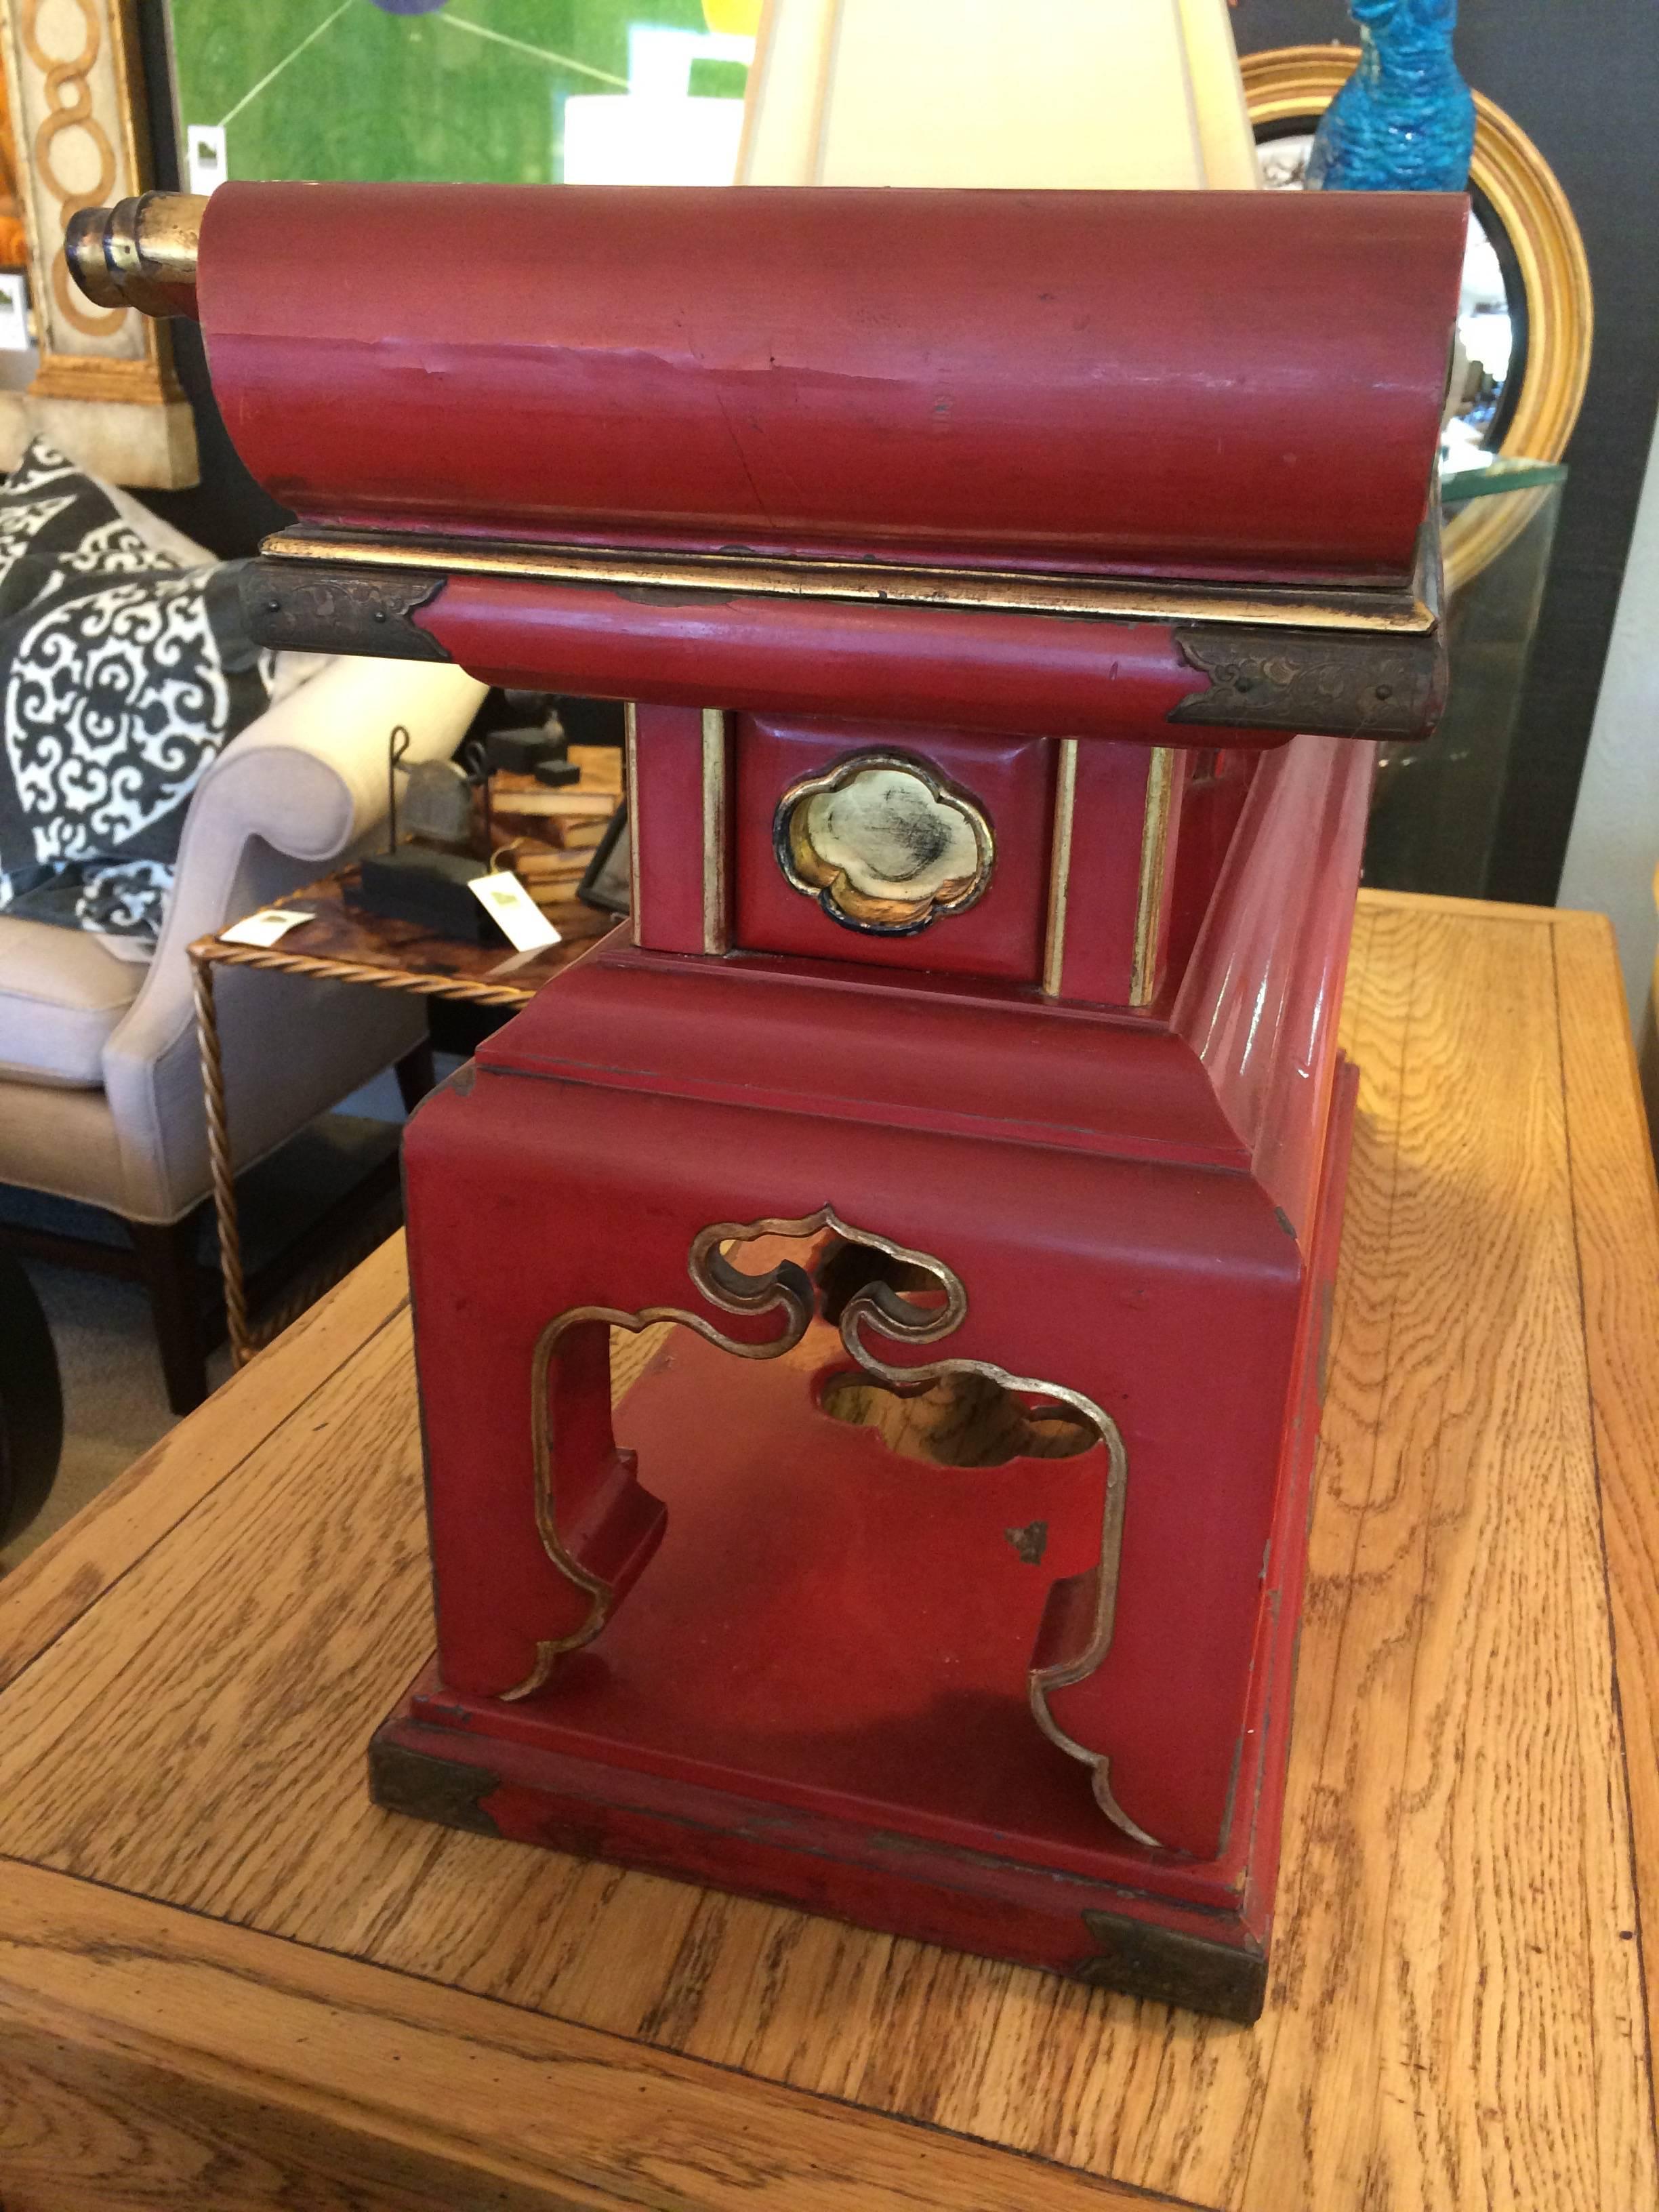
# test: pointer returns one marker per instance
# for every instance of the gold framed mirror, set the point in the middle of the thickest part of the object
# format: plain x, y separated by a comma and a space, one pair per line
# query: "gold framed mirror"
1526, 227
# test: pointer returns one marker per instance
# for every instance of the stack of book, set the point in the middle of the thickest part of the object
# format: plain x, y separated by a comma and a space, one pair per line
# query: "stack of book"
548, 837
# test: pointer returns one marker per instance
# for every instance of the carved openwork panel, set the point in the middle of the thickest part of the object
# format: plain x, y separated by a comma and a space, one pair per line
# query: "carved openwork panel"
869, 1292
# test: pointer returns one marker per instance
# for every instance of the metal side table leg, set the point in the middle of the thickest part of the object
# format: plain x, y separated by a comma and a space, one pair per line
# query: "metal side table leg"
219, 1160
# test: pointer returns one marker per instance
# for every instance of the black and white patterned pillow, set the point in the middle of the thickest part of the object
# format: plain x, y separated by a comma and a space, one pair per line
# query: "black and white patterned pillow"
124, 673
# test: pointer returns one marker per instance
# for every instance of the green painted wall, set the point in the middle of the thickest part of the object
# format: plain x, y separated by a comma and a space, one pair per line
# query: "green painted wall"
340, 89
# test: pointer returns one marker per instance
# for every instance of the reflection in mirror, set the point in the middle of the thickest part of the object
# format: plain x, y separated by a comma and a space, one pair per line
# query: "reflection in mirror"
1487, 324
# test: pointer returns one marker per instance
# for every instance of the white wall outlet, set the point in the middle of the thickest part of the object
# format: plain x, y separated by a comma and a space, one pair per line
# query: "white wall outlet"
204, 155
15, 312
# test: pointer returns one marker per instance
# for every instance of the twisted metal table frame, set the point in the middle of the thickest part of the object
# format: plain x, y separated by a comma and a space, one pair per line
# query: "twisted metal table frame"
210, 952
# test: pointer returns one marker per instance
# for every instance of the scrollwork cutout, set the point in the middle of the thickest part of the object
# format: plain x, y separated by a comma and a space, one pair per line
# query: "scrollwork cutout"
932, 1304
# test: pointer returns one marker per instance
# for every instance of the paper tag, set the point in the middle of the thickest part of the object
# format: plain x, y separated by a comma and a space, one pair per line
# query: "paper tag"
204, 155
14, 312
520, 920
265, 927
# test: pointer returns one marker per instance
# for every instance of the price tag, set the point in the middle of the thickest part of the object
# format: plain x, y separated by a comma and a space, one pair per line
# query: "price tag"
265, 927
520, 920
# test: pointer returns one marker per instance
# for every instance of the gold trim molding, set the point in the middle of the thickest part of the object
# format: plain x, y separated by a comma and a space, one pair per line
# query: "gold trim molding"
716, 738
96, 376
1149, 906
1294, 83
1147, 945
631, 795
1411, 610
1059, 868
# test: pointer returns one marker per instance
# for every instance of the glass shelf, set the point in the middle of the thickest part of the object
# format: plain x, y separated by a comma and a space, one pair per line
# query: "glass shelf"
1435, 812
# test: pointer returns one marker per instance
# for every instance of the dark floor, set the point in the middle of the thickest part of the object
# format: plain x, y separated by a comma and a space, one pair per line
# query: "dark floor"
114, 1405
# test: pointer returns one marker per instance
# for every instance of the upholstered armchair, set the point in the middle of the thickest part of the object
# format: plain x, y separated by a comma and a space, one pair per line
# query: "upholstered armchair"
101, 1094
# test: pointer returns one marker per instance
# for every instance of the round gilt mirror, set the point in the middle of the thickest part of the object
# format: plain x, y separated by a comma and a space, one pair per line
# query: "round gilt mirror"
1527, 316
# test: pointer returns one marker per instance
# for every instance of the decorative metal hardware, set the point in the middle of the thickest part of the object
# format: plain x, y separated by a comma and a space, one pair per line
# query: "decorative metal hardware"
432, 1788
303, 609
1169, 1965
1365, 687
884, 844
139, 254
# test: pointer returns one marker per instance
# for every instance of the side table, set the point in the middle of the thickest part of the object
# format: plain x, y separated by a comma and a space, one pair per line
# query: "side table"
341, 944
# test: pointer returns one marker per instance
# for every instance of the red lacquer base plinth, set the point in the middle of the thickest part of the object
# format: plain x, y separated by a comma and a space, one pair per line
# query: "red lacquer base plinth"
818, 1695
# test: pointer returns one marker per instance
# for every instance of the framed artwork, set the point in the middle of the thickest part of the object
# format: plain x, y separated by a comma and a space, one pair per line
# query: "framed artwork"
13, 239
97, 381
466, 91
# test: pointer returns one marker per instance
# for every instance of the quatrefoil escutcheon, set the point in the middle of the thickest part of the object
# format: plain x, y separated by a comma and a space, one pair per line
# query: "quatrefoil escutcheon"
884, 844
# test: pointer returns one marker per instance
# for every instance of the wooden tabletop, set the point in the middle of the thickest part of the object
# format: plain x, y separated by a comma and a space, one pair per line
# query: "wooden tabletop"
228, 1981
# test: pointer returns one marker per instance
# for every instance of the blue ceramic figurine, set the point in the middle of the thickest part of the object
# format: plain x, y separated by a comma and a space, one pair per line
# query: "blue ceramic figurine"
1405, 119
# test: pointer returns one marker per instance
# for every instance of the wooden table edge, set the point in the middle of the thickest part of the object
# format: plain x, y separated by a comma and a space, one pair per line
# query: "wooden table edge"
400, 2081
1615, 1213
1472, 909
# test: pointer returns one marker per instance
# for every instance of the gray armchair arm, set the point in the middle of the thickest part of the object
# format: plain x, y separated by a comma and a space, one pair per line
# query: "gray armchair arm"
301, 790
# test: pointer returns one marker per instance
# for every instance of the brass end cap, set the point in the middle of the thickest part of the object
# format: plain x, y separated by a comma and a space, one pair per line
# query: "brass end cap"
139, 254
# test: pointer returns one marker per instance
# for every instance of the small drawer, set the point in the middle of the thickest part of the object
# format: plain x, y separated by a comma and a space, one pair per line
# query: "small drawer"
891, 846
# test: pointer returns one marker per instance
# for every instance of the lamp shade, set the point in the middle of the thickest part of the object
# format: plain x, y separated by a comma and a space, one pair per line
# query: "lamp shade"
1102, 95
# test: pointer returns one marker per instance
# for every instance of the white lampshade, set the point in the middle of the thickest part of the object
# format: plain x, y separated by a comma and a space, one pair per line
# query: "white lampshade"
1097, 93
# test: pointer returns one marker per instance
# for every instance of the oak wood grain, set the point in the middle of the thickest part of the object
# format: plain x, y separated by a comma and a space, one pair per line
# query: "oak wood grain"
60, 1580
1458, 909
139, 2072
85, 2127
1458, 2010
1616, 1220
1457, 1872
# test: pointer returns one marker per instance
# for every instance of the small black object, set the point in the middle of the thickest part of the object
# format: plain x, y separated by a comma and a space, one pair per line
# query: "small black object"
592, 721
556, 774
412, 884
514, 710
520, 752
523, 710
